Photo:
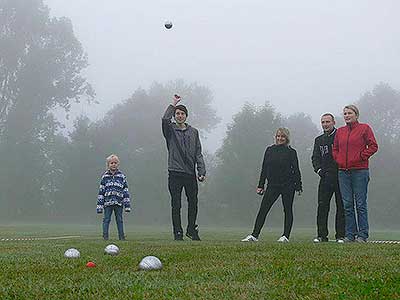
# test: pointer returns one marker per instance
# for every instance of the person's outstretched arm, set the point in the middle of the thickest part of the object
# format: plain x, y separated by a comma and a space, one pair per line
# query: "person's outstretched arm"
166, 119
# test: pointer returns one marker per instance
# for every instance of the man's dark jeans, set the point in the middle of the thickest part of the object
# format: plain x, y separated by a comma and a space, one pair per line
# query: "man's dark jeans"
329, 185
176, 182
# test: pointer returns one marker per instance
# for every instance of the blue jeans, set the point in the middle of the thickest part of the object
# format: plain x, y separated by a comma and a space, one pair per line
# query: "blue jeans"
118, 218
354, 186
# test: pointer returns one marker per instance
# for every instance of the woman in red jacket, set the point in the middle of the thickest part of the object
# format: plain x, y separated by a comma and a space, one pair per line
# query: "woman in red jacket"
354, 144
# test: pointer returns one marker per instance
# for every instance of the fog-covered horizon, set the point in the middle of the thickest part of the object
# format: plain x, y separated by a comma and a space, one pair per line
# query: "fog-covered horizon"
307, 56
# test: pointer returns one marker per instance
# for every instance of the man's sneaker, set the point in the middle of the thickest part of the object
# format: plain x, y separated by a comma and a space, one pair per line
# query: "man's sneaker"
250, 238
347, 240
283, 239
361, 240
178, 236
193, 234
340, 240
320, 239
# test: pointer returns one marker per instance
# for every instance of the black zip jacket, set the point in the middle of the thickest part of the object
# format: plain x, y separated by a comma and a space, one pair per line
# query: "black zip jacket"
322, 160
281, 168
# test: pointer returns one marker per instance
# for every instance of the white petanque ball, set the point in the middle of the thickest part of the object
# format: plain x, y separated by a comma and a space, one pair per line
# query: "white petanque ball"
72, 253
111, 250
150, 263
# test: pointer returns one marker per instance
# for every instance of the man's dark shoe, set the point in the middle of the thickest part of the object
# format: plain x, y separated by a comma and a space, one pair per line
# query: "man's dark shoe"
347, 240
360, 240
178, 236
193, 234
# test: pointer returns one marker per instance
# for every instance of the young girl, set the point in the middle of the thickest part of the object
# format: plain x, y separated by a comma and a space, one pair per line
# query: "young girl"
113, 196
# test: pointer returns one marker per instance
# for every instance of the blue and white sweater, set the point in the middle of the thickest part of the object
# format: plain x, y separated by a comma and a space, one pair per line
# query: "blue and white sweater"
113, 191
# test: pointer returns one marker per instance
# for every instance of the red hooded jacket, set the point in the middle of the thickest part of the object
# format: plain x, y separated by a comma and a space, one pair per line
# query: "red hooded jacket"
354, 144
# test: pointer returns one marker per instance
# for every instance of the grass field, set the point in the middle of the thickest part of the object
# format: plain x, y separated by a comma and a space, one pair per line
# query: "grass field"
219, 267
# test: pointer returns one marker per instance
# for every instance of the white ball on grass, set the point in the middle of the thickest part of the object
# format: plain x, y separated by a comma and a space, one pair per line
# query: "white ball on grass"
72, 253
150, 263
111, 249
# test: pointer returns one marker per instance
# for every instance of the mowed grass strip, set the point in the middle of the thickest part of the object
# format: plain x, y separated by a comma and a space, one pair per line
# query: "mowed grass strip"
219, 267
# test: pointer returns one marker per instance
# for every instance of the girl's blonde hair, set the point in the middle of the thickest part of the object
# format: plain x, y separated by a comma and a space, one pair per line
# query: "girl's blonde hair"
284, 131
109, 158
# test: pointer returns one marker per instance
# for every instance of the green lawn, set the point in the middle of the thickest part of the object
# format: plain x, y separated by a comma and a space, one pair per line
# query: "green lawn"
219, 267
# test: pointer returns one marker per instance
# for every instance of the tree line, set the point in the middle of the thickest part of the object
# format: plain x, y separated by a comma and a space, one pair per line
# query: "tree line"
53, 176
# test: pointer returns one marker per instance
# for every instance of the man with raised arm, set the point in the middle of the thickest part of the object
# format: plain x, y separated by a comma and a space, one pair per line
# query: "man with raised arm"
184, 157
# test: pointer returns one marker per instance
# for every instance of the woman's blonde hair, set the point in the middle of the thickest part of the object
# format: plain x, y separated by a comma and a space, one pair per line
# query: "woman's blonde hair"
109, 158
284, 131
353, 108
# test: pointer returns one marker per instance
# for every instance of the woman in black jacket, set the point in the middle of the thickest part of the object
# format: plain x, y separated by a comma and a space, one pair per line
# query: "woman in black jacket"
281, 169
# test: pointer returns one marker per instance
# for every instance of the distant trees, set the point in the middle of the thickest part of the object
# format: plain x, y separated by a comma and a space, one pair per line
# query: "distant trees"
81, 167
40, 69
132, 130
40, 66
46, 173
239, 160
381, 109
232, 195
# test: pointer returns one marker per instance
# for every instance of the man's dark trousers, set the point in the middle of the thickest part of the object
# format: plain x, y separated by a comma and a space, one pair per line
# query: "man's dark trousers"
327, 187
176, 182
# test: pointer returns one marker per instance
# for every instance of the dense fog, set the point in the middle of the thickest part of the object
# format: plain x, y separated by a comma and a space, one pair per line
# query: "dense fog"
80, 80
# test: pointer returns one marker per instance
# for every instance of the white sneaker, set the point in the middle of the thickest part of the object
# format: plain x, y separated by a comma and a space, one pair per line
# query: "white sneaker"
320, 240
250, 238
283, 239
340, 241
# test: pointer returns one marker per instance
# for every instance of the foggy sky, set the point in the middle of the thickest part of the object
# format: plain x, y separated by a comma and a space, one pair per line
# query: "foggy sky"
302, 56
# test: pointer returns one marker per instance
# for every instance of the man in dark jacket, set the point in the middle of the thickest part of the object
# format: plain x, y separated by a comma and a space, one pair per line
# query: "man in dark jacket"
184, 155
325, 166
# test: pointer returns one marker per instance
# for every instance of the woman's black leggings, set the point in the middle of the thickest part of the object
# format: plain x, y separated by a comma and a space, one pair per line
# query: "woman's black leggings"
270, 196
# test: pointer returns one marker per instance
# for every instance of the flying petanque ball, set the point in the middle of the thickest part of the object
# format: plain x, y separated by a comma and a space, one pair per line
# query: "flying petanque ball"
150, 263
168, 24
72, 253
111, 250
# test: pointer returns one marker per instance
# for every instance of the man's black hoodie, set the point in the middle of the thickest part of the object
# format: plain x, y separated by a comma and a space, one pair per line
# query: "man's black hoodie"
322, 160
